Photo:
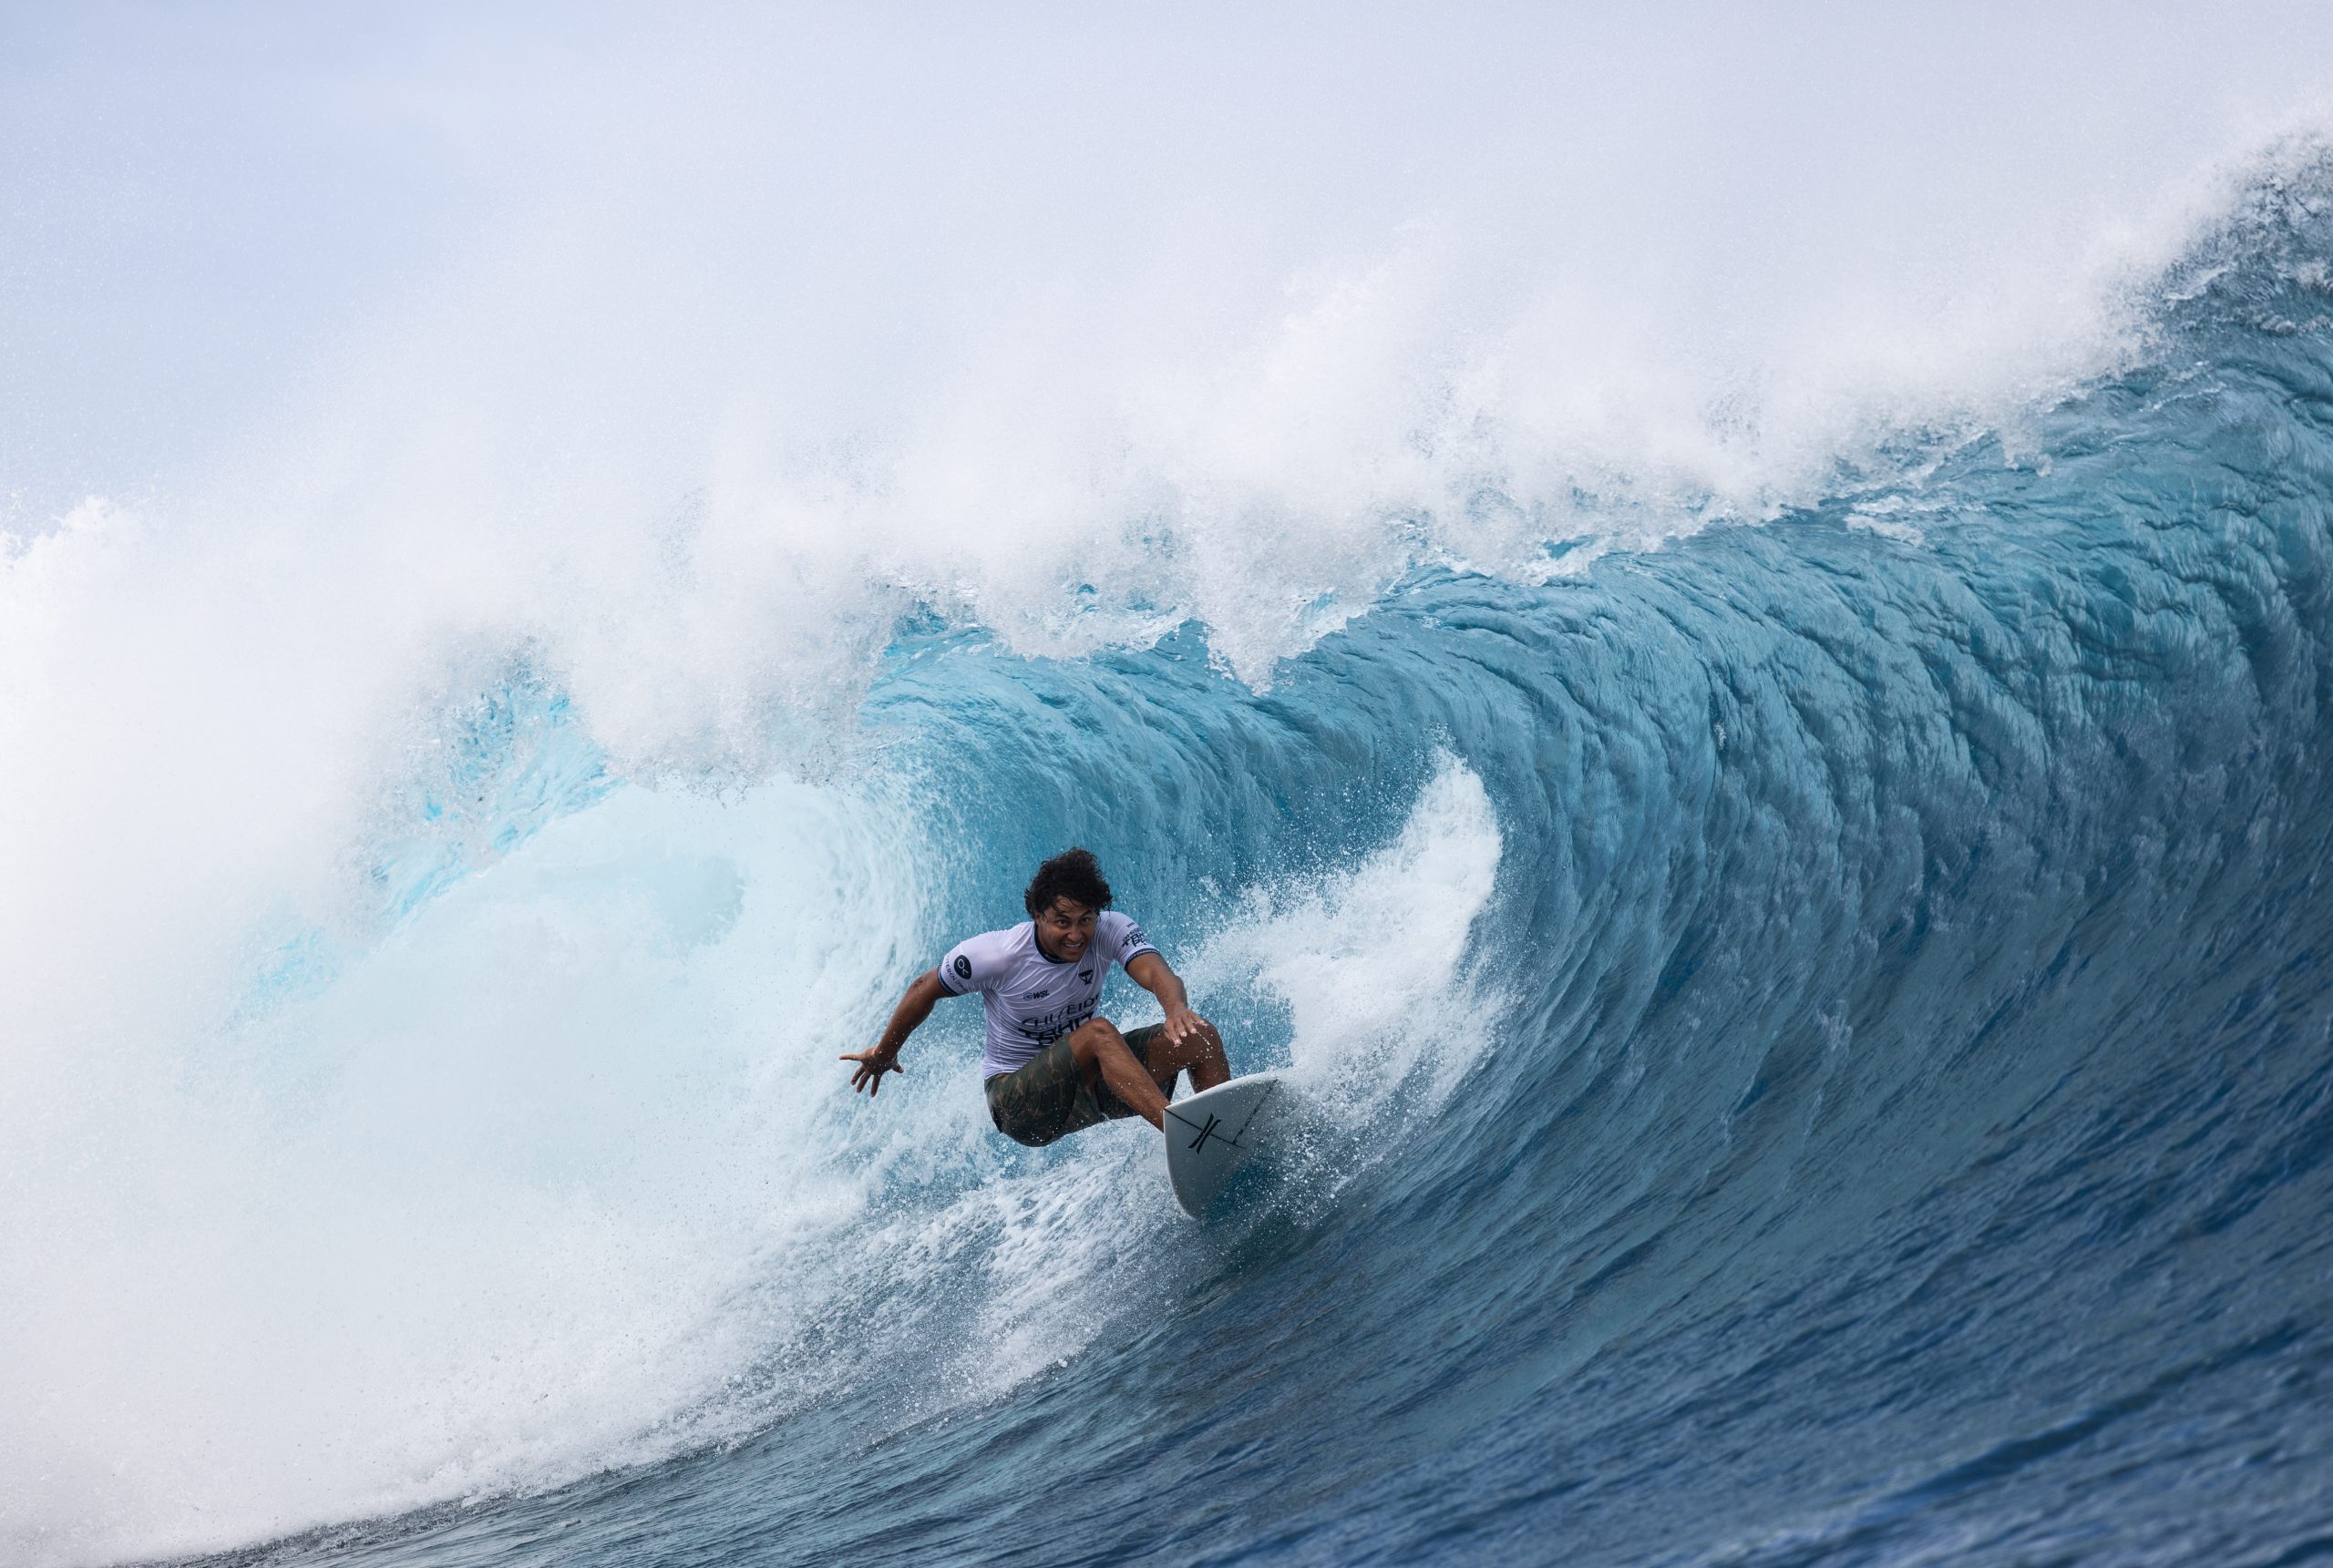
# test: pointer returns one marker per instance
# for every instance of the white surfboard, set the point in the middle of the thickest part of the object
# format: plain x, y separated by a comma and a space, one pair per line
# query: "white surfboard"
1211, 1135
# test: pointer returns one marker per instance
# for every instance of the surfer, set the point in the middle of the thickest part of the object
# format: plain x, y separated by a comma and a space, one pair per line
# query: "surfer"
1051, 1066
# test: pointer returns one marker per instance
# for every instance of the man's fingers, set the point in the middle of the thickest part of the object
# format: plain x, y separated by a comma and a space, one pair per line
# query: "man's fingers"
868, 1074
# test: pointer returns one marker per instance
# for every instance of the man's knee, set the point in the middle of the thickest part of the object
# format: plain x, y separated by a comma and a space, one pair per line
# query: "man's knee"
1090, 1038
1202, 1041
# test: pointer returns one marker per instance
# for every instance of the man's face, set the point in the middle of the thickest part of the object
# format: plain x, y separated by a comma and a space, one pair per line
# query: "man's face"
1065, 929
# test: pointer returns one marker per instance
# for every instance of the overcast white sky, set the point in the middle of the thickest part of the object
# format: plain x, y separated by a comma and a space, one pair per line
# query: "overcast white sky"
212, 217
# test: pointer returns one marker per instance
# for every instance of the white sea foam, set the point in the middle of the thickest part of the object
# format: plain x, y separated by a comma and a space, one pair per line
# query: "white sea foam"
1378, 965
728, 340
468, 1214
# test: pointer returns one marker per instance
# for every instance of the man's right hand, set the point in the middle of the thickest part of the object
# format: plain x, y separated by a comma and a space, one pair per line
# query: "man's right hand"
913, 1009
872, 1065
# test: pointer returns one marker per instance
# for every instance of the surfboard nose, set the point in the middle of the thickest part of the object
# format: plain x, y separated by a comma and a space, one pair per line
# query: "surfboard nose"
1210, 1136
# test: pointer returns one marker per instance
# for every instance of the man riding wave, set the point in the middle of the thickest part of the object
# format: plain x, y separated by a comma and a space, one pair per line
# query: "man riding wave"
1051, 1066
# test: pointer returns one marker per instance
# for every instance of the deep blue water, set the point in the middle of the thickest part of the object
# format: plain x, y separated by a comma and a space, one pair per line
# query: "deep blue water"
1892, 1119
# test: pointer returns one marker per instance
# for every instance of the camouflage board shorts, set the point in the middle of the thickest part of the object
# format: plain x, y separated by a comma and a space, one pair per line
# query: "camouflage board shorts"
1047, 1097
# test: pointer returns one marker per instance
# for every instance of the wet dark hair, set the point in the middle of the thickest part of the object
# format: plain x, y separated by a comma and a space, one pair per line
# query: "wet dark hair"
1074, 874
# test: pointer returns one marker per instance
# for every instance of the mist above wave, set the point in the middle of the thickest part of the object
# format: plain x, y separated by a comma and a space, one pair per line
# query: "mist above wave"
695, 354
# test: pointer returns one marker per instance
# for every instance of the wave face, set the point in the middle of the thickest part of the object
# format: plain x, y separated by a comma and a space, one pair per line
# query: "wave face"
1818, 1038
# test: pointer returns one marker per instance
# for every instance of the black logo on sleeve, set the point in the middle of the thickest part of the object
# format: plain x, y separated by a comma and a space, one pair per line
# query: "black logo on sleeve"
963, 968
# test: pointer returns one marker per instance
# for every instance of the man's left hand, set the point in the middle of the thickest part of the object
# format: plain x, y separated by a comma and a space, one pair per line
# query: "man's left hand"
1181, 1025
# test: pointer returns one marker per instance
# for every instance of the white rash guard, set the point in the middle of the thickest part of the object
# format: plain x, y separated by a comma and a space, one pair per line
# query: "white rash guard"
1032, 1000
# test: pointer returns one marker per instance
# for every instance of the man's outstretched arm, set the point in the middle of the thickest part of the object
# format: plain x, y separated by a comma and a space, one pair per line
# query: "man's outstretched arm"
913, 1009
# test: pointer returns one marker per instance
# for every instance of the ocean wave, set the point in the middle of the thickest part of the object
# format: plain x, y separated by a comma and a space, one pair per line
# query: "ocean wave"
1816, 1013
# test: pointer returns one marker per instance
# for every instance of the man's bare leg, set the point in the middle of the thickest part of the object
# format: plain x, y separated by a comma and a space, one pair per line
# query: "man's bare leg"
1201, 1051
1102, 1052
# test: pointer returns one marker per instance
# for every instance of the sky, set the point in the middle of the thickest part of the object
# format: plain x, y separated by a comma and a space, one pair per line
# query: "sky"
215, 222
